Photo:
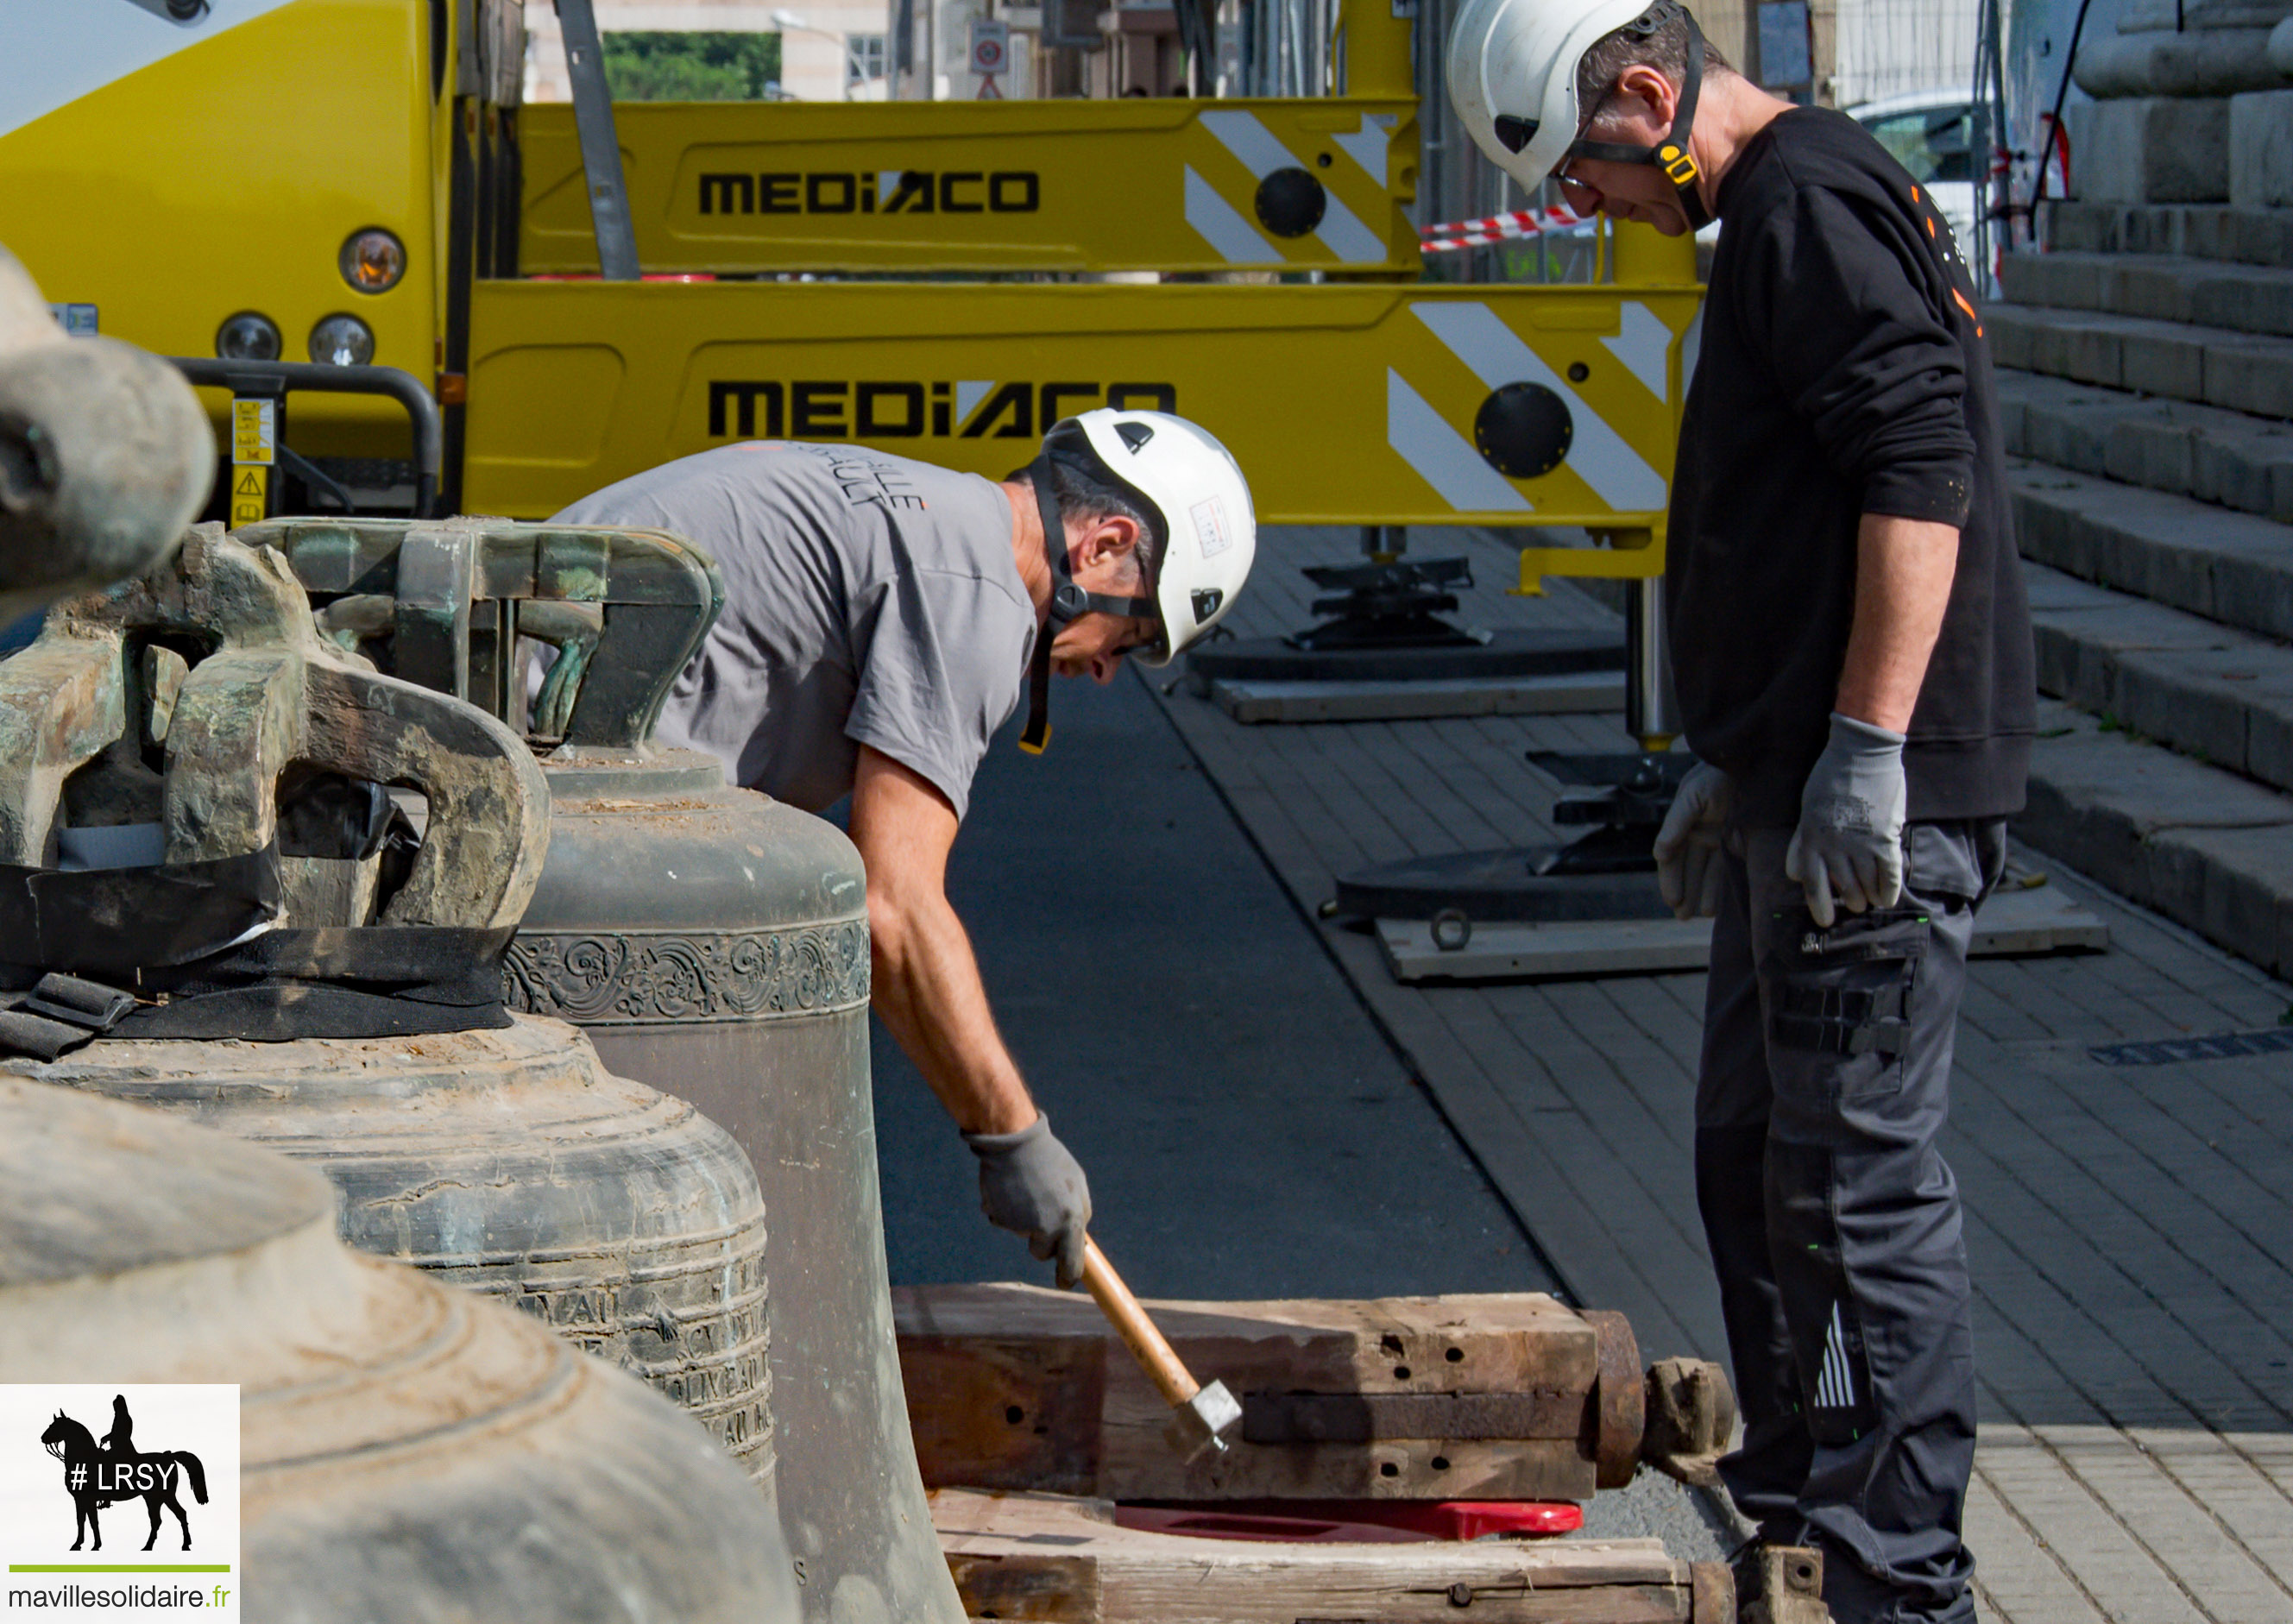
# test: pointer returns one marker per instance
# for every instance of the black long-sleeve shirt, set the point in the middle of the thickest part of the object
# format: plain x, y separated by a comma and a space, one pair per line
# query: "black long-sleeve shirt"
1842, 372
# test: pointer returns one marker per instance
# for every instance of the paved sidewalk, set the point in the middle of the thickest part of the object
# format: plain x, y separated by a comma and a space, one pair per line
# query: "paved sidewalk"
2127, 1222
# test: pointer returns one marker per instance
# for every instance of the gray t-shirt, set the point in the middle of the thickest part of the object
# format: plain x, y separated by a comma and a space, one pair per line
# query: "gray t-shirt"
869, 599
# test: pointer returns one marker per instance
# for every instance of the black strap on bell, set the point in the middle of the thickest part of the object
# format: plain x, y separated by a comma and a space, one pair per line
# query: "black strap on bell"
1671, 154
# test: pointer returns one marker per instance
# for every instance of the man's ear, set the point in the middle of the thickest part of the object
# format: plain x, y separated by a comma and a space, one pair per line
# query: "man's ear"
1109, 539
1644, 90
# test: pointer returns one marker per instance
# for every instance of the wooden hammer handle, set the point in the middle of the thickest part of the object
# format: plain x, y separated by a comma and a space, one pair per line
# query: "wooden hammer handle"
1123, 1311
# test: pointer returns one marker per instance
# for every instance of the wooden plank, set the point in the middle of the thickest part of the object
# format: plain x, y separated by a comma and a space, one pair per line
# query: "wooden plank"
1068, 1560
1013, 1386
1269, 700
2012, 923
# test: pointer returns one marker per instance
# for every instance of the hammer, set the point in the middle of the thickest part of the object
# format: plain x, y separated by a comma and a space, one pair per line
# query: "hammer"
1201, 1417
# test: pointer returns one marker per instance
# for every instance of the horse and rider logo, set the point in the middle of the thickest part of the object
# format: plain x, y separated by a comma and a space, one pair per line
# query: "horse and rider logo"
101, 1474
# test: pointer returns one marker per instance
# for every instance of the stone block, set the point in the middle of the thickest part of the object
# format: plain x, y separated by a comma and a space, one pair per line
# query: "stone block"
2158, 290
2269, 736
2051, 591
2162, 16
2065, 668
2261, 150
2166, 697
2259, 678
2261, 237
2244, 470
2250, 299
2150, 150
2254, 237
2013, 338
2071, 434
2085, 352
2256, 376
2252, 587
2228, 567
2055, 533
2054, 280
2152, 448
2197, 62
2236, 885
2163, 363
2023, 277
2013, 418
2203, 233
2199, 844
2077, 227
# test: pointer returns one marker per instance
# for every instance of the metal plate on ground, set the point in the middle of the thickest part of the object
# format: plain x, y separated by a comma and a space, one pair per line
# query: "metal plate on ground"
1488, 887
2038, 919
1251, 699
1508, 653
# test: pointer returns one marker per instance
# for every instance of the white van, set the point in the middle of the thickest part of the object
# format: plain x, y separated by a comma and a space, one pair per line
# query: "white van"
1930, 133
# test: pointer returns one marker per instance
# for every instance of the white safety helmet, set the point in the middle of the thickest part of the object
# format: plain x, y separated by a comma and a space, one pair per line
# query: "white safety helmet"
1192, 493
1512, 78
1190, 483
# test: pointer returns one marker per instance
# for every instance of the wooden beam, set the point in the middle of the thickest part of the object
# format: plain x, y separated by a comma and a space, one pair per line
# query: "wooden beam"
1066, 1561
1016, 1387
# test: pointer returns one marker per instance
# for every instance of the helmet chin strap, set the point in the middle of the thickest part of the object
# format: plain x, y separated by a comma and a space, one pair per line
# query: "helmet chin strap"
1671, 154
1069, 603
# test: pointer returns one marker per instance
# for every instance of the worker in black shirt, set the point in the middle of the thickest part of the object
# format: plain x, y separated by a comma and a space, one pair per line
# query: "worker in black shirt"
1851, 648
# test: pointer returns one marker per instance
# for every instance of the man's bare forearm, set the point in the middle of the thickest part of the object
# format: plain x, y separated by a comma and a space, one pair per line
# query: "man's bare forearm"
926, 982
1903, 573
928, 991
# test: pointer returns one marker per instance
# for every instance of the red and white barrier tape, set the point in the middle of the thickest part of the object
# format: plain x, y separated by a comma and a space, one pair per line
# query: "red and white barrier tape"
1455, 234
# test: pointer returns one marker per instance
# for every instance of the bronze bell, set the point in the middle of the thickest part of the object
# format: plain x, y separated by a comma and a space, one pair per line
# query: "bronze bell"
105, 455
493, 1150
405, 1451
711, 942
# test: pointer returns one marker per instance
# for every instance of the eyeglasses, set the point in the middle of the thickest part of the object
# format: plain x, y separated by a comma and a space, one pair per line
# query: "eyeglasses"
1580, 195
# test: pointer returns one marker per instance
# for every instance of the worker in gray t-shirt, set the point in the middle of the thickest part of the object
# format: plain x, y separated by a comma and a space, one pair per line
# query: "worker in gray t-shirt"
882, 616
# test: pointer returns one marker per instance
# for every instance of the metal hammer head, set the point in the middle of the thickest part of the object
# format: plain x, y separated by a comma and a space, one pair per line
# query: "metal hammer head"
1202, 1422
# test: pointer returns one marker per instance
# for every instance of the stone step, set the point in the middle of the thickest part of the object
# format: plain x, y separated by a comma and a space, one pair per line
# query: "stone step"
2243, 372
2205, 847
2202, 451
2210, 692
2232, 569
2159, 287
2200, 230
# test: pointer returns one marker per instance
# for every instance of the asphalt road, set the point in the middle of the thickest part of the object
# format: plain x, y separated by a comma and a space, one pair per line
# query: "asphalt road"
1247, 1130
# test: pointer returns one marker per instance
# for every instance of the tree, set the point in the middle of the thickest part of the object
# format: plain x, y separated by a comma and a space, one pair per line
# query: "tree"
691, 67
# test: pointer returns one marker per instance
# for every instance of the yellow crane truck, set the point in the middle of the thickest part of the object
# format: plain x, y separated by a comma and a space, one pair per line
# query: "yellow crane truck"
353, 184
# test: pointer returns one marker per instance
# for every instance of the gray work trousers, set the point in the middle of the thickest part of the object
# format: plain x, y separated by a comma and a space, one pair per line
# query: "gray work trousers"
1833, 1222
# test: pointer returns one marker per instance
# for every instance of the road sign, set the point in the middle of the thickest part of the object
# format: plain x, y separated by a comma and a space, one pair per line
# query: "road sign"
991, 46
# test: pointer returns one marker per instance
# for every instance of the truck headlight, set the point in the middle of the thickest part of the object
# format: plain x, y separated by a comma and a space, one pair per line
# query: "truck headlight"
372, 261
342, 340
248, 336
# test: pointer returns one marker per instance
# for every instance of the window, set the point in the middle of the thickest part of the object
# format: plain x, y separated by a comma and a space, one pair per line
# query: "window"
1931, 141
864, 58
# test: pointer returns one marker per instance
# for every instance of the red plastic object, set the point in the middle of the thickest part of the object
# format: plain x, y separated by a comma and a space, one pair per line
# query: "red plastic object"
1356, 1522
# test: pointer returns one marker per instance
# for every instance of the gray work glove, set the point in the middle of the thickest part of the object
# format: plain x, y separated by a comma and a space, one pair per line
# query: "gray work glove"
1030, 1185
1849, 845
1687, 845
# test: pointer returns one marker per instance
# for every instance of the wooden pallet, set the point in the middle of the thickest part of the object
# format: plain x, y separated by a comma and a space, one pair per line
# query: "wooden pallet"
2040, 920
1066, 1560
1266, 699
